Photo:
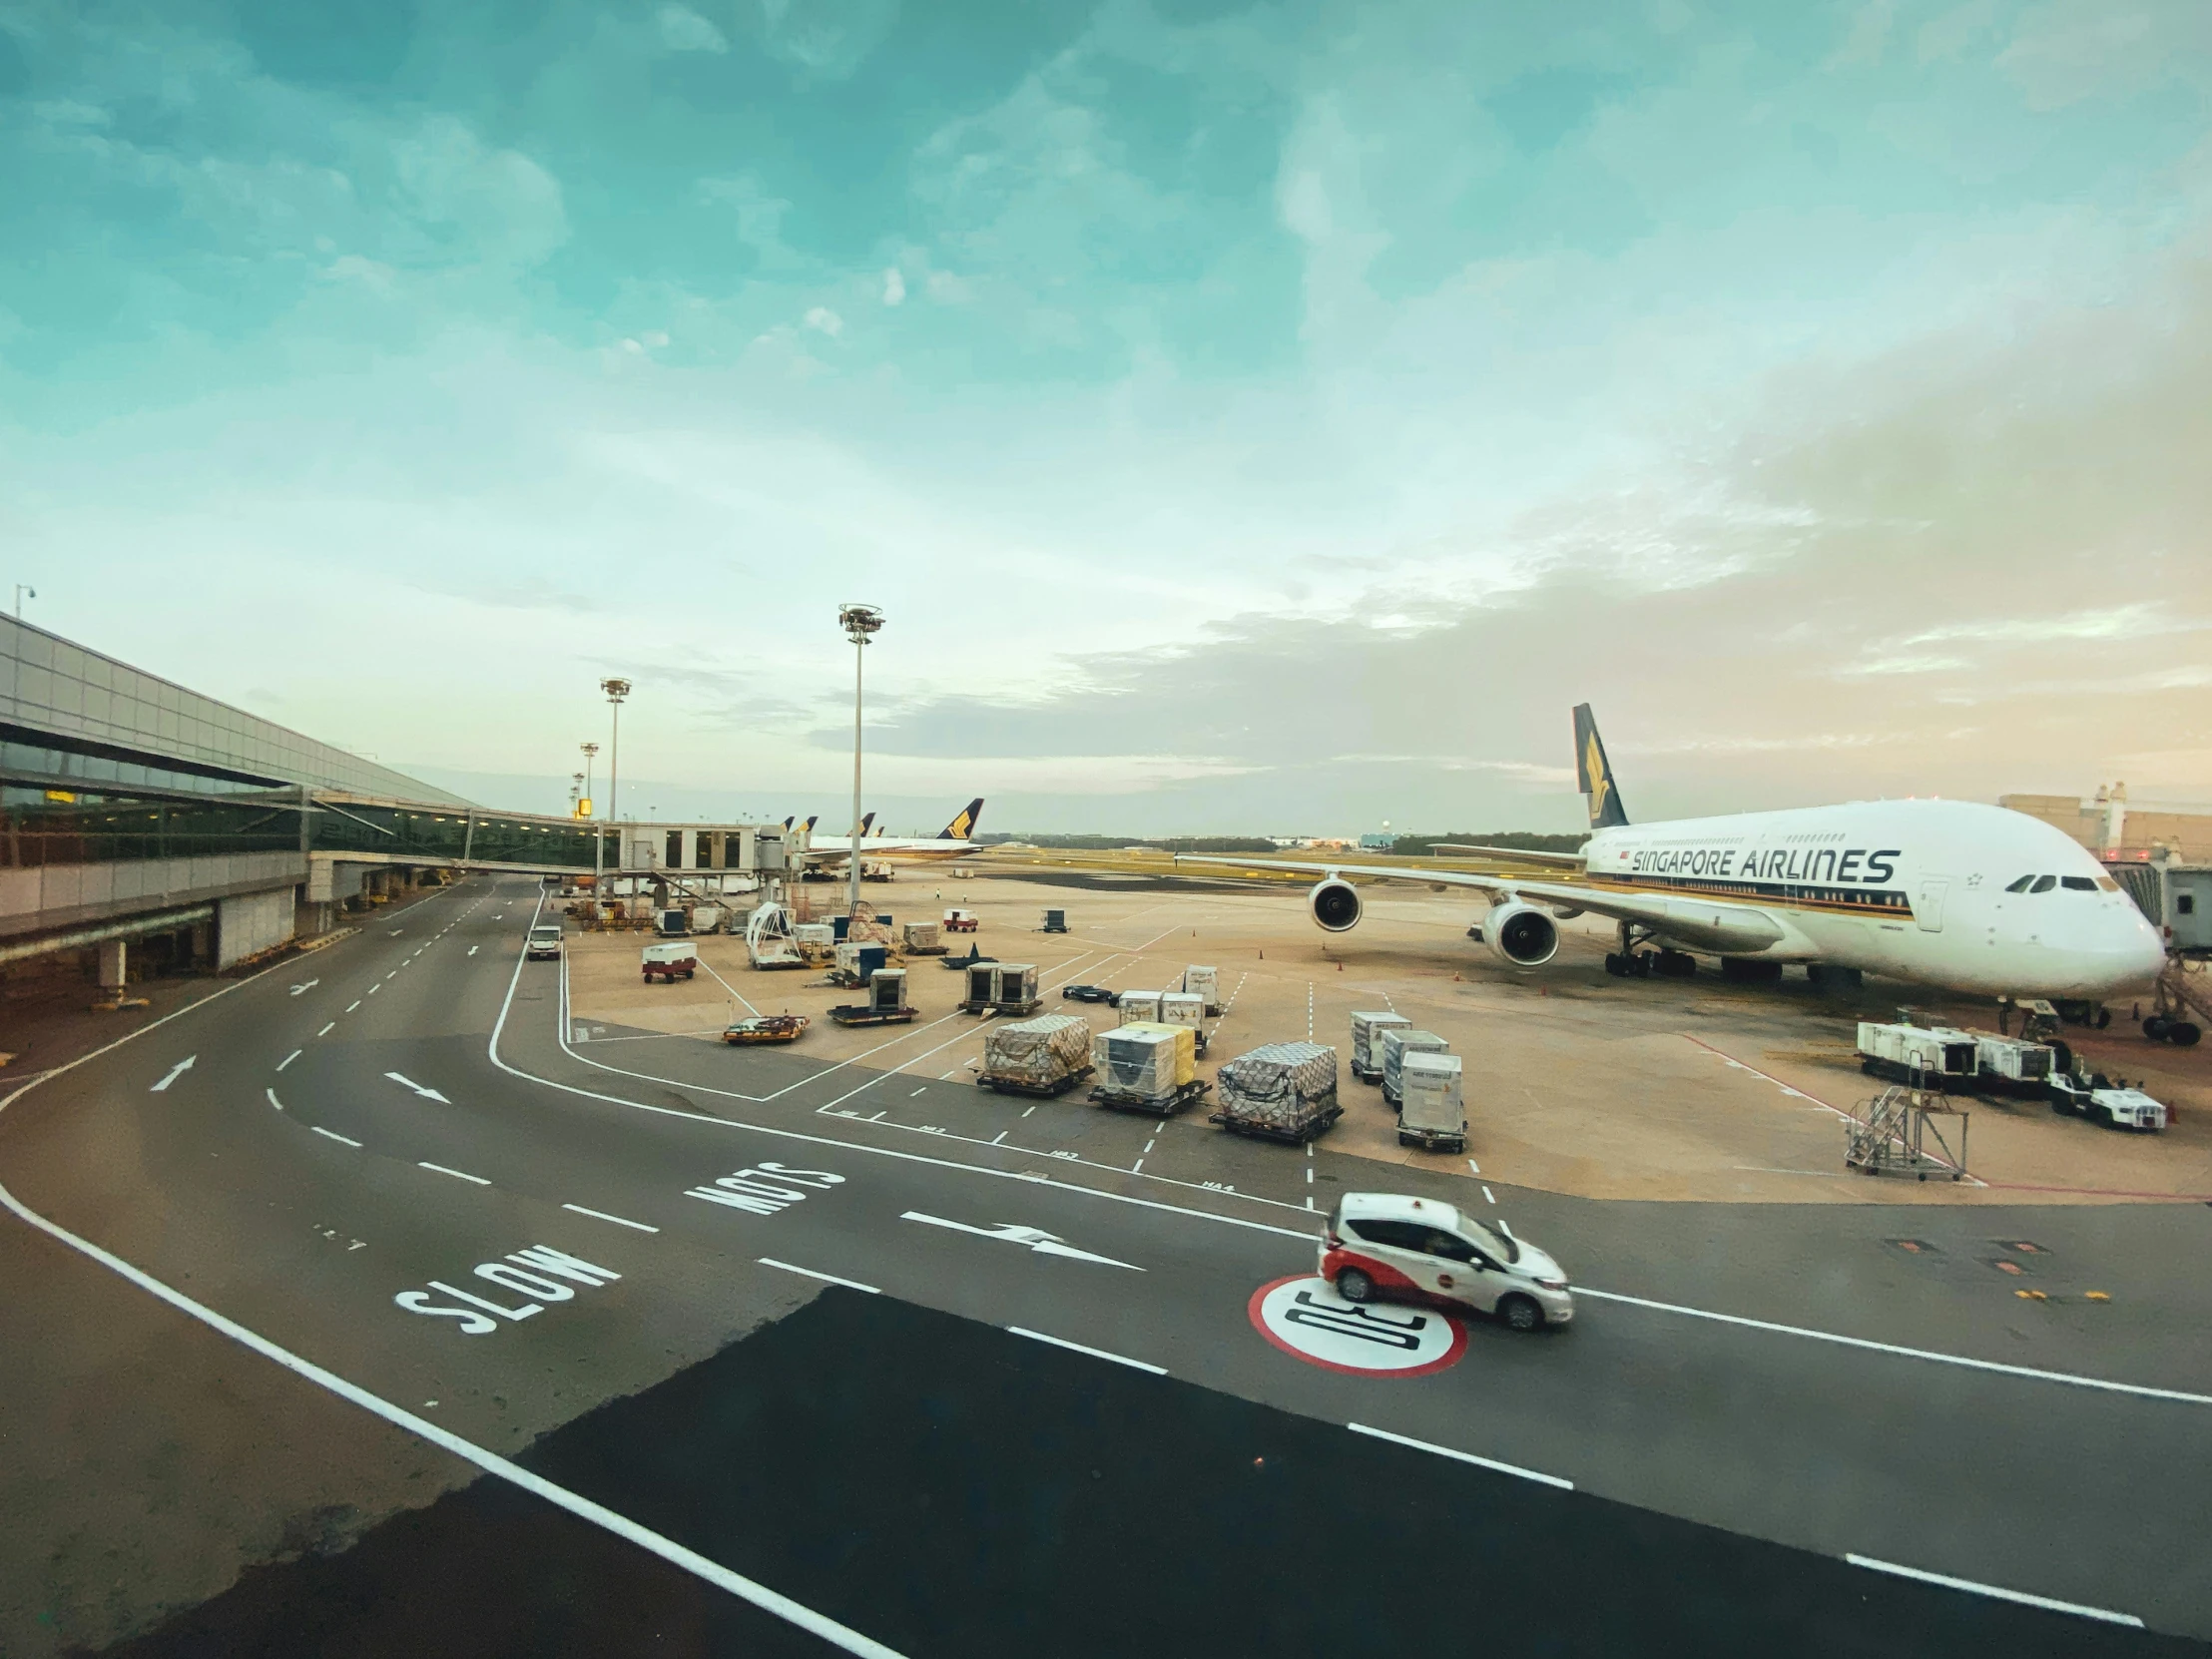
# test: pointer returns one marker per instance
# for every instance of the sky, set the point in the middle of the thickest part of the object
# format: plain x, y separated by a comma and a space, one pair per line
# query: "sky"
1250, 419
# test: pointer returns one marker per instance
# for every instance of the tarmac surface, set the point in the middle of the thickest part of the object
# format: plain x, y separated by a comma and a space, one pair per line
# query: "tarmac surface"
423, 1283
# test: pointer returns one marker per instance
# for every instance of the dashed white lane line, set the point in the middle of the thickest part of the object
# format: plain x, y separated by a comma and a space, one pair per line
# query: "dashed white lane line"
2079, 1609
1474, 1167
472, 949
601, 1215
917, 1091
294, 1055
458, 1175
1486, 1198
373, 989
324, 1033
943, 1075
1094, 1353
2138, 1390
1000, 1138
350, 1006
1031, 1109
1462, 1457
1148, 1146
827, 1277
273, 1100
1137, 1168
1309, 1175
334, 1135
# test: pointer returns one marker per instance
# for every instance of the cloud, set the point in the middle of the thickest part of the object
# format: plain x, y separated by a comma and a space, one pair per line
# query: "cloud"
684, 30
894, 287
824, 320
828, 38
504, 206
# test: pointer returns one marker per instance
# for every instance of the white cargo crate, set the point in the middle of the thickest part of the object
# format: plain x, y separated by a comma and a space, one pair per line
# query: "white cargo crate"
1367, 1042
1397, 1042
1204, 984
1935, 1059
1434, 1112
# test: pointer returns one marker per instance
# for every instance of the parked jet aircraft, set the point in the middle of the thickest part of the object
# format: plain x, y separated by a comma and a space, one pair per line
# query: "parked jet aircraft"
1945, 893
953, 841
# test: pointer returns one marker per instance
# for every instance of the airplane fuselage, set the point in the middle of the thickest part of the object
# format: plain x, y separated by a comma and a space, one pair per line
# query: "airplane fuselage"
1929, 891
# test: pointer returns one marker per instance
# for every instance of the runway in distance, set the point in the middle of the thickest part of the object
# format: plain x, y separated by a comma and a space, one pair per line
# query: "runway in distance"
1950, 893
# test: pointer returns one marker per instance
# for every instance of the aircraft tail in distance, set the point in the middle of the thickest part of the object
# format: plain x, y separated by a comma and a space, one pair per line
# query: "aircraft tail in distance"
866, 823
1594, 774
963, 827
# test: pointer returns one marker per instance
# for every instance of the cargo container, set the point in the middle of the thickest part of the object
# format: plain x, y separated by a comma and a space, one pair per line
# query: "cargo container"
1185, 1009
706, 918
1367, 1042
1047, 1055
2013, 1065
886, 1003
857, 961
1017, 988
1204, 984
1933, 1059
921, 939
1146, 1068
1433, 1109
676, 960
1397, 1041
1140, 1007
1279, 1092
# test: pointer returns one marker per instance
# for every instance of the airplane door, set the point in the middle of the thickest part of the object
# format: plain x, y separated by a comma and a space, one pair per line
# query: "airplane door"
1928, 902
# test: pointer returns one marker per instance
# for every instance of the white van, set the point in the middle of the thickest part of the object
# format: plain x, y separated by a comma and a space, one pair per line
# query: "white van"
545, 940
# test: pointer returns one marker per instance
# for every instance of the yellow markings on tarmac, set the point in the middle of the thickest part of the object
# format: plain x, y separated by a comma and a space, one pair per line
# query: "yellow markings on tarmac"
2031, 1296
2096, 1296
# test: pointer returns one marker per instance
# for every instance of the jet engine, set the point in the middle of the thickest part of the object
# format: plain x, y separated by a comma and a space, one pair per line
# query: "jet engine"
1521, 933
1335, 905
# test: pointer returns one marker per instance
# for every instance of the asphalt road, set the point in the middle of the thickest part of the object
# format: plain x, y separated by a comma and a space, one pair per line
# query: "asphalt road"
390, 1163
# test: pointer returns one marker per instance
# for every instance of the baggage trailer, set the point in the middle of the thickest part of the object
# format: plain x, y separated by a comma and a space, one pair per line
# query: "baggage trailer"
1148, 1068
1938, 1058
959, 921
1283, 1092
1367, 1042
1006, 988
2013, 1065
669, 961
886, 1004
1434, 1114
1397, 1042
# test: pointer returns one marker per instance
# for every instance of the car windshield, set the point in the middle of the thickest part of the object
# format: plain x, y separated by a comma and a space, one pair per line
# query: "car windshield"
545, 932
1503, 1247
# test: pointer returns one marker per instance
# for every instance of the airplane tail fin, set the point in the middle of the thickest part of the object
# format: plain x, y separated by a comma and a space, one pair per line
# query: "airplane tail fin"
809, 826
788, 822
866, 822
963, 822
1594, 774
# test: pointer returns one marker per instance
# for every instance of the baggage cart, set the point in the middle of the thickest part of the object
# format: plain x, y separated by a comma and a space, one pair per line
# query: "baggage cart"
1397, 1042
886, 1004
669, 961
767, 1028
1279, 1092
1367, 1042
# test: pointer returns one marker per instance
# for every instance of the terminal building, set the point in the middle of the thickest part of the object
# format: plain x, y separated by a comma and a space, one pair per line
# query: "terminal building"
145, 828
2117, 832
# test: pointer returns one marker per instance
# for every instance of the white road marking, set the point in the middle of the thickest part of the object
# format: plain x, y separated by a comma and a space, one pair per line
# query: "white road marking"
410, 1083
373, 989
1474, 1167
334, 1135
1000, 1138
1487, 1198
350, 1006
943, 1075
273, 1100
1463, 1456
1031, 1109
2031, 1372
327, 1029
601, 1215
2002, 1594
1036, 1238
472, 949
458, 1175
301, 991
917, 1091
1148, 1146
714, 1572
287, 1059
827, 1277
1762, 1169
176, 1071
1094, 1353
1309, 1175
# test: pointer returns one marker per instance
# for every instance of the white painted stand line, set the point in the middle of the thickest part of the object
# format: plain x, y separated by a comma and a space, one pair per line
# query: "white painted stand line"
826, 1278
601, 1215
458, 1175
334, 1135
1463, 1456
1094, 1353
1999, 1591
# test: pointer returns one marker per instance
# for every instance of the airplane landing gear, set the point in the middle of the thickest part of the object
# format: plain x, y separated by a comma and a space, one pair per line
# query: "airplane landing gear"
1628, 963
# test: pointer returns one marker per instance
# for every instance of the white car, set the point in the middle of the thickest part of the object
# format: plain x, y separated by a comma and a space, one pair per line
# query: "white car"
1424, 1250
544, 942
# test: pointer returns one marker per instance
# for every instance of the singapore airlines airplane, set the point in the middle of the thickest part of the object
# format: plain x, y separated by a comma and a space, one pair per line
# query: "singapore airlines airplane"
953, 841
1945, 893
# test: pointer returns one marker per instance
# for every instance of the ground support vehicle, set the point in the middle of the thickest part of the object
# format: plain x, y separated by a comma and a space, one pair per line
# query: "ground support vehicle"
959, 921
1283, 1092
1434, 1112
1938, 1058
1177, 1099
545, 943
1384, 1246
1367, 1042
2106, 1100
886, 1004
767, 1028
1090, 993
1891, 1135
974, 959
2013, 1065
669, 961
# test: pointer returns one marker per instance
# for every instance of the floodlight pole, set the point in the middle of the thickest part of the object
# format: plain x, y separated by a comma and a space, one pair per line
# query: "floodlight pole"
858, 621
615, 691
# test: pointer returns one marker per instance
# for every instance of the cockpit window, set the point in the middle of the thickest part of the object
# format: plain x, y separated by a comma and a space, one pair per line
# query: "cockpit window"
2106, 883
2043, 883
2020, 885
2079, 884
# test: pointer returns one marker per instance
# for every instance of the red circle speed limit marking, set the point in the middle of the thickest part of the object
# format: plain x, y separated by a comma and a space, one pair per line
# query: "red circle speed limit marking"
1305, 1315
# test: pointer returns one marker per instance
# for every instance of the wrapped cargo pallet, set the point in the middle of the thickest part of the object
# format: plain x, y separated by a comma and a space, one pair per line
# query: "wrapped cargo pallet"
1144, 1063
1279, 1092
1046, 1055
1367, 1042
921, 939
1396, 1042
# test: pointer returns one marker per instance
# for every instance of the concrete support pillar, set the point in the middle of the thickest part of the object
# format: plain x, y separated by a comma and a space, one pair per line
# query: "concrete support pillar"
113, 960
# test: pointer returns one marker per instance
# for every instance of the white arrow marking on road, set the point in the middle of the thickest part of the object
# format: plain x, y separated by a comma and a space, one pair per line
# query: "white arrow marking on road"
176, 1071
472, 950
301, 991
1044, 1243
410, 1083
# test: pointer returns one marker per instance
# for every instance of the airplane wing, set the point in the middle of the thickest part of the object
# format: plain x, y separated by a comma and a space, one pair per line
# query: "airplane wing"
1570, 860
1719, 925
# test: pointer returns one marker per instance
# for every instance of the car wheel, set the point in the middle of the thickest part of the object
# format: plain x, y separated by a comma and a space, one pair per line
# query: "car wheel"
1521, 1313
1354, 1286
